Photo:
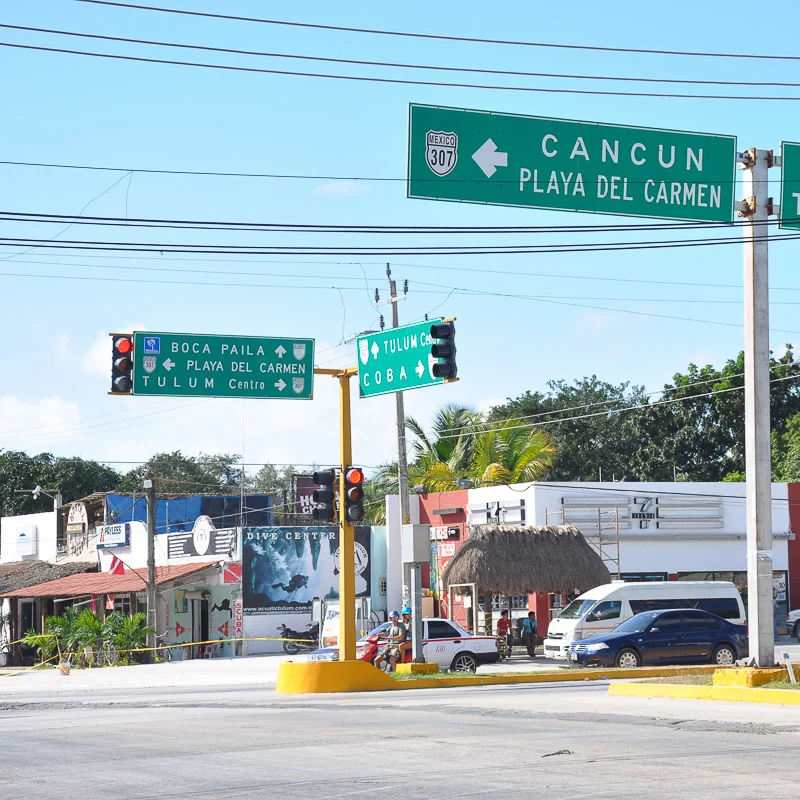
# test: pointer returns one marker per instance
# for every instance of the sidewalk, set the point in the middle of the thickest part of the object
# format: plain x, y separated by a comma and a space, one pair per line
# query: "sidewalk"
199, 673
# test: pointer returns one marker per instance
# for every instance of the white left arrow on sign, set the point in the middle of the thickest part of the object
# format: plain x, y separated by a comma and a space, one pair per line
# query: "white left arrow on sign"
169, 364
489, 159
281, 385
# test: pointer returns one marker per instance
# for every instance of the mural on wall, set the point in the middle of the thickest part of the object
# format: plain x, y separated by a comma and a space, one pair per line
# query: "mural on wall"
283, 569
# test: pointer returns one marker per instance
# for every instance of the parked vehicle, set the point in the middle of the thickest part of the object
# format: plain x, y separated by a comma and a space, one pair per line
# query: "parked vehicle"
444, 643
603, 608
793, 623
664, 637
300, 641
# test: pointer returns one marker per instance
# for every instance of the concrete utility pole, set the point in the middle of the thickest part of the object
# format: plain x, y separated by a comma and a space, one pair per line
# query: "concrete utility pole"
150, 494
412, 577
756, 209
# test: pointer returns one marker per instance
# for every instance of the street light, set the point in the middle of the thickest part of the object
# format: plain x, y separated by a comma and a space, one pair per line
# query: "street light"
37, 491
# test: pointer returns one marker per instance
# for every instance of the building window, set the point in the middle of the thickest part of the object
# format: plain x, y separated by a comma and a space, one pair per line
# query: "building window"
382, 585
643, 577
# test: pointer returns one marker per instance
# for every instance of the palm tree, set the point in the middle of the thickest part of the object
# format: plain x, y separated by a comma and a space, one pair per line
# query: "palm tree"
505, 452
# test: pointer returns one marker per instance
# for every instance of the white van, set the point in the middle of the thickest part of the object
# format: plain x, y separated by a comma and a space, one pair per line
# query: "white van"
603, 608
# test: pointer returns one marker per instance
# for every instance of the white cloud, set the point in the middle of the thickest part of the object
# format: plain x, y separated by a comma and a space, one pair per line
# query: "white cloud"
61, 345
488, 403
27, 425
341, 189
97, 358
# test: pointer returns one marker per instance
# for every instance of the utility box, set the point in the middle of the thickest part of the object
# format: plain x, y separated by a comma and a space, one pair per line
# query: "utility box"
415, 544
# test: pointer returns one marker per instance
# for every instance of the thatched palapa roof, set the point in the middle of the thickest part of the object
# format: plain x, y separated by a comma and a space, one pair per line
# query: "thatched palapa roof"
522, 559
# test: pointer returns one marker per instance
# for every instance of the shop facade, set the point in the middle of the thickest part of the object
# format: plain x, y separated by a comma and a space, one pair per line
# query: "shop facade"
643, 531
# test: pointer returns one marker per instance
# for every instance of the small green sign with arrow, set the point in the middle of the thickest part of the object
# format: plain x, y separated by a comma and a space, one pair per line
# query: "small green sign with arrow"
397, 360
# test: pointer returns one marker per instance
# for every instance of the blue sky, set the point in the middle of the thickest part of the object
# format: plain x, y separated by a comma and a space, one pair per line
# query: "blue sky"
68, 109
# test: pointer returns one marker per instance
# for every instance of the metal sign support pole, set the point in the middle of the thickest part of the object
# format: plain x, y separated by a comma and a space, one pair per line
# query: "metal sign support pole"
756, 212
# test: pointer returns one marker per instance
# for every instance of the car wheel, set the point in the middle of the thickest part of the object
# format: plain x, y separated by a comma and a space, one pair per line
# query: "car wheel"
464, 662
796, 631
627, 658
723, 656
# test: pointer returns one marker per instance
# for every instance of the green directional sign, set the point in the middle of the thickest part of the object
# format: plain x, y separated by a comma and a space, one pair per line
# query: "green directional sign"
197, 365
790, 186
535, 162
396, 360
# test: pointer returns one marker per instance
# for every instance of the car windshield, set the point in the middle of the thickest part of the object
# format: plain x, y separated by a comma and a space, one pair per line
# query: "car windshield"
637, 623
577, 608
376, 631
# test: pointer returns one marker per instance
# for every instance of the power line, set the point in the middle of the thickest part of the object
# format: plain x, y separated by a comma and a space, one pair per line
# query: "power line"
336, 250
324, 227
667, 389
609, 412
441, 37
395, 81
276, 175
395, 64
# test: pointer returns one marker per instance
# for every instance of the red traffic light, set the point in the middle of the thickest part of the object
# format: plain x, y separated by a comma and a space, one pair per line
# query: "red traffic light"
354, 476
123, 345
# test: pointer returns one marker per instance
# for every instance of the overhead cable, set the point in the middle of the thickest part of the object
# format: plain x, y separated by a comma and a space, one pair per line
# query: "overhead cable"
395, 64
396, 81
442, 37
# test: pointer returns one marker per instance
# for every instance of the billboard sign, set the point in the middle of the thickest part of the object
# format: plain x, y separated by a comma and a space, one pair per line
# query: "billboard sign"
284, 568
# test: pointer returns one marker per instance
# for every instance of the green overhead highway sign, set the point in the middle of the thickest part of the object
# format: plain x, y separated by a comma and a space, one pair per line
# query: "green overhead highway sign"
197, 365
790, 186
397, 359
535, 162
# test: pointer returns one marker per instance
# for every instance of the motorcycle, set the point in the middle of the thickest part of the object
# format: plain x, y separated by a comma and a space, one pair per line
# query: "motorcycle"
373, 647
300, 641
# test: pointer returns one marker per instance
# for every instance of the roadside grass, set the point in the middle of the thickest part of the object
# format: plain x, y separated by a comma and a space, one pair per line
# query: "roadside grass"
440, 674
683, 680
781, 685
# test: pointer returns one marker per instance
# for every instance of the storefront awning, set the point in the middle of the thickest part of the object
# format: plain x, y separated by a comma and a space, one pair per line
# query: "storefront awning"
90, 583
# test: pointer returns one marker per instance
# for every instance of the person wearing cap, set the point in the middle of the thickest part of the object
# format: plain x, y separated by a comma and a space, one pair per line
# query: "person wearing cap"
396, 635
408, 643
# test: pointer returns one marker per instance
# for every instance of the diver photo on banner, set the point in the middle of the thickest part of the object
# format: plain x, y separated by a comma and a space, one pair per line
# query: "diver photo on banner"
284, 569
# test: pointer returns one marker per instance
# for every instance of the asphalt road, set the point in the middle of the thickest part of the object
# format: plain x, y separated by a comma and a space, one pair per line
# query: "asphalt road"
555, 741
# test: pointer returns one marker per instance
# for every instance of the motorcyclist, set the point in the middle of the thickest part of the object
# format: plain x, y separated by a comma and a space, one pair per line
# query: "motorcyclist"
395, 634
407, 644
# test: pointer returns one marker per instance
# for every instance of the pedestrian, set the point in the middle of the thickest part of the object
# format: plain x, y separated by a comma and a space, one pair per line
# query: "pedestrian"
504, 628
529, 627
775, 609
396, 635
407, 644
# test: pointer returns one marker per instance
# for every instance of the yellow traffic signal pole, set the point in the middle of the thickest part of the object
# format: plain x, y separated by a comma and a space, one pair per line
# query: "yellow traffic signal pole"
347, 555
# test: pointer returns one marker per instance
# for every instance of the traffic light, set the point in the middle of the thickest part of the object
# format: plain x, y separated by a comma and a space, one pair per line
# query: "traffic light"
444, 350
324, 496
121, 363
354, 494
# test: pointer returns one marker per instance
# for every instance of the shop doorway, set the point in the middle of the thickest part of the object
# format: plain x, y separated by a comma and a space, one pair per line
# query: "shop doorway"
201, 615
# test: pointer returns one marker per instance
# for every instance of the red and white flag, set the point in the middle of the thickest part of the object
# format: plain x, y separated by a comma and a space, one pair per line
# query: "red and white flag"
117, 567
109, 602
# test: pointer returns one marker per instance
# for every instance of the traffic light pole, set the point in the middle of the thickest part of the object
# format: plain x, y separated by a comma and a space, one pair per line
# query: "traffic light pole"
347, 554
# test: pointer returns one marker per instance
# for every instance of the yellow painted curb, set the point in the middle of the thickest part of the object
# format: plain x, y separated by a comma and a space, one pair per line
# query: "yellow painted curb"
358, 676
416, 669
331, 676
733, 694
747, 677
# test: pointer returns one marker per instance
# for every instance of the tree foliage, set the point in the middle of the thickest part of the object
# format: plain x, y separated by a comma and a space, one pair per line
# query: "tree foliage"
73, 477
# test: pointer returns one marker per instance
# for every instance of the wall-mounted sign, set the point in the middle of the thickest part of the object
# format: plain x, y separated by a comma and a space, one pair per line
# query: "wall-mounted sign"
27, 540
77, 519
593, 515
444, 531
203, 540
111, 536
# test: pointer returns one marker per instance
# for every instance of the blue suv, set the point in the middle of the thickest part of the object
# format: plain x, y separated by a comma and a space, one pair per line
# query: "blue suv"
664, 637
